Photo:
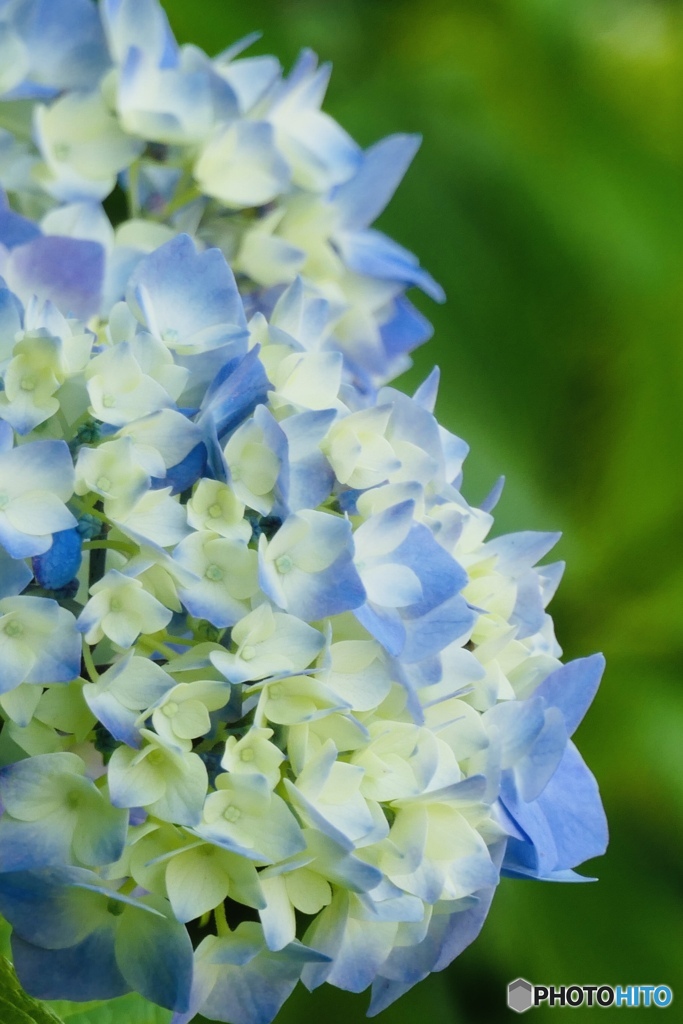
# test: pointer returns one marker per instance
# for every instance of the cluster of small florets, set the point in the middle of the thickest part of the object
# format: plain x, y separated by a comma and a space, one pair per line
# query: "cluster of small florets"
274, 707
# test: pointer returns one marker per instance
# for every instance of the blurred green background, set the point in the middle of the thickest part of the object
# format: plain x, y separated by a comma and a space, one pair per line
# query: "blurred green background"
548, 200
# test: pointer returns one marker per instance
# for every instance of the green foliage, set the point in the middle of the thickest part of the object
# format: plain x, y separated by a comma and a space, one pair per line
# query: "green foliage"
130, 1009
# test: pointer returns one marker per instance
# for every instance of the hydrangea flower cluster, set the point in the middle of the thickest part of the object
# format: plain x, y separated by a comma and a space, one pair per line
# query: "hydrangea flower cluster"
274, 705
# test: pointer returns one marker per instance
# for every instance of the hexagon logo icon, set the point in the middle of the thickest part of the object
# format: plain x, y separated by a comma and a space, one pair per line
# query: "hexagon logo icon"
520, 995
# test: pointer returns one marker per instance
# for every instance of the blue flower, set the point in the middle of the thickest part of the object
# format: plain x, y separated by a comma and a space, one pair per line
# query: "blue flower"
56, 816
53, 45
282, 671
39, 642
564, 824
75, 937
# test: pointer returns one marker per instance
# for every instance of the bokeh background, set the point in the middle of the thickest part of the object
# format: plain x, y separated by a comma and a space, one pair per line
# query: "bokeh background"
548, 200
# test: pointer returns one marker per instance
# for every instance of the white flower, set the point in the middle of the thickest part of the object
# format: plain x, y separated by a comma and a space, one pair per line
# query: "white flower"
114, 472
36, 480
214, 507
245, 816
268, 643
83, 146
254, 754
38, 642
121, 609
183, 712
170, 783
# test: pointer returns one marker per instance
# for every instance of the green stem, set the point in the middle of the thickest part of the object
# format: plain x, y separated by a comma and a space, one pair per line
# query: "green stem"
89, 509
167, 638
184, 199
222, 926
109, 545
89, 663
133, 179
149, 644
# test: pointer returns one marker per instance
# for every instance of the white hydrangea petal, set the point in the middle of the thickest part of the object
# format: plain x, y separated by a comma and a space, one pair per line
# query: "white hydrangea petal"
197, 881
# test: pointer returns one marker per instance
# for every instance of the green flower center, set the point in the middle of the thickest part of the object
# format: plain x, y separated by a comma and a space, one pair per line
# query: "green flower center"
73, 799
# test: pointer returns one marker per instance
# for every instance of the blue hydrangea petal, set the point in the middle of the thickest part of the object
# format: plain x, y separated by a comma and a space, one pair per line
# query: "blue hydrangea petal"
21, 545
6, 432
45, 908
565, 826
126, 22
60, 660
519, 551
15, 575
11, 320
100, 836
185, 293
405, 331
58, 566
448, 934
27, 845
493, 497
25, 786
311, 477
440, 575
16, 230
186, 472
249, 988
15, 666
154, 955
572, 687
235, 393
429, 634
118, 720
361, 200
67, 271
573, 809
82, 972
536, 769
357, 947
65, 47
335, 590
385, 625
371, 253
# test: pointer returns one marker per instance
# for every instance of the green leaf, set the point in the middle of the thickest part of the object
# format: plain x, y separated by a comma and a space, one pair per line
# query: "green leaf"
130, 1009
15, 1006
